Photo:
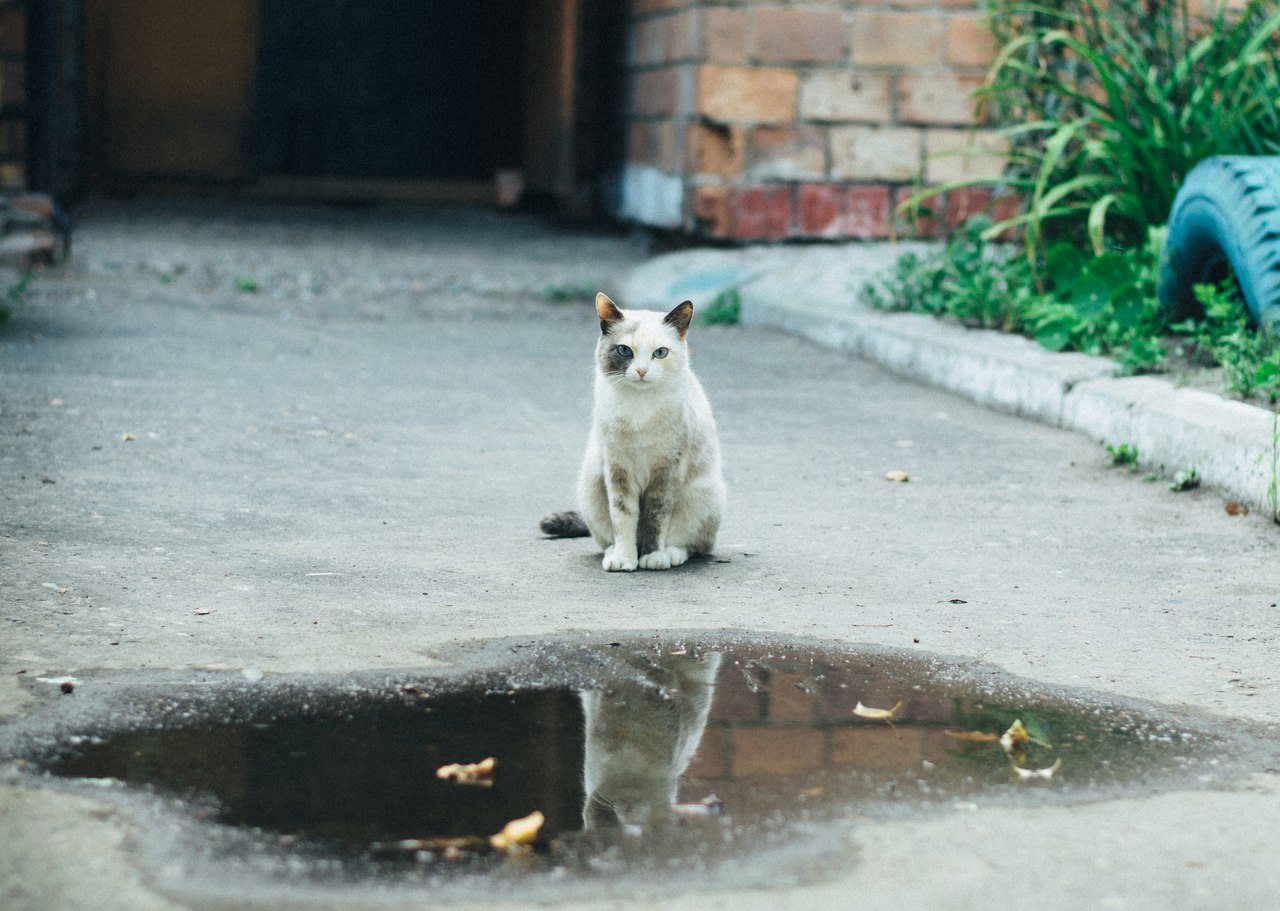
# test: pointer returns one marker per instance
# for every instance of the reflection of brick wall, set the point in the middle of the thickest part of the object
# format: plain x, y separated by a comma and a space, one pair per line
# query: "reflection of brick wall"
782, 721
13, 94
755, 120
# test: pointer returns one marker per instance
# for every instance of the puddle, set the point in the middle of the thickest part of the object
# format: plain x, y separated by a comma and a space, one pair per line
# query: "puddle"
723, 761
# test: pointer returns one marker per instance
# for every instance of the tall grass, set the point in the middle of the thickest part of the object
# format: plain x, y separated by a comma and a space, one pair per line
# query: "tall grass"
1109, 103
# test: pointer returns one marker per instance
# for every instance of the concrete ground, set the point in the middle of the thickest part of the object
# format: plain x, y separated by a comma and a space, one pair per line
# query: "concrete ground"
308, 440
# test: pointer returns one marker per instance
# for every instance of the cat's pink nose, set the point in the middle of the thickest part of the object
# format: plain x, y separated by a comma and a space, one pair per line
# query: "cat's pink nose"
640, 373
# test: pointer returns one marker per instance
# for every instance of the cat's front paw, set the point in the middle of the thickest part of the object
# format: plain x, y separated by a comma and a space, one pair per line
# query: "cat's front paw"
615, 561
658, 559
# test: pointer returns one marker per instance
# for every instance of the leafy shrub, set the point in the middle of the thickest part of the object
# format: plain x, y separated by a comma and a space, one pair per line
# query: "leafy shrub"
1109, 103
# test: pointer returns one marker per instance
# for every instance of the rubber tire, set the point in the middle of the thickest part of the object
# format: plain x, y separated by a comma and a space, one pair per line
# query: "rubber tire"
1225, 219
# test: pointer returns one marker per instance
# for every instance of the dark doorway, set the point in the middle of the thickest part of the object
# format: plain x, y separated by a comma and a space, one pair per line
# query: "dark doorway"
389, 89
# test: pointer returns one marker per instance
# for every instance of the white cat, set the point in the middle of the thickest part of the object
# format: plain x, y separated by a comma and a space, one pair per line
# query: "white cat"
642, 731
651, 491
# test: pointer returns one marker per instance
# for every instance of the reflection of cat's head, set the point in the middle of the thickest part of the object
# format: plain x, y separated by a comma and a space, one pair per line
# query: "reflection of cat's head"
634, 800
641, 349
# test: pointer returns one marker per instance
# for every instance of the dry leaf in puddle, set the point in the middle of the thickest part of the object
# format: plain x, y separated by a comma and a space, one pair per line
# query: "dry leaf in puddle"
521, 831
863, 711
896, 476
973, 736
1028, 774
480, 773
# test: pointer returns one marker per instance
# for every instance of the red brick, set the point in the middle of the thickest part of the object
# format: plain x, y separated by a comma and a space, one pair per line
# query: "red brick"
717, 150
760, 213
735, 700
724, 35
799, 35
788, 153
657, 92
969, 41
789, 699
867, 212
922, 220
711, 762
759, 752
820, 210
877, 747
742, 93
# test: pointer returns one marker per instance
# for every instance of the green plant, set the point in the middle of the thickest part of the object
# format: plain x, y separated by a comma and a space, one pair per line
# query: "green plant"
1185, 480
570, 292
1124, 455
1108, 104
14, 295
724, 309
246, 283
1225, 335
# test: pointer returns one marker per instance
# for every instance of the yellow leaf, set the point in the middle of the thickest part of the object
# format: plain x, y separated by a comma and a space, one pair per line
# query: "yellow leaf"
469, 773
1026, 774
863, 711
896, 476
521, 831
973, 736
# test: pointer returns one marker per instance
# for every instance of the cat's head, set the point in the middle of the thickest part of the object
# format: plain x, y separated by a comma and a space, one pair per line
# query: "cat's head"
642, 349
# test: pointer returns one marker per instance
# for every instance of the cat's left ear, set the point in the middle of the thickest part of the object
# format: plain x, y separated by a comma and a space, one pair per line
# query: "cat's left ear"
680, 317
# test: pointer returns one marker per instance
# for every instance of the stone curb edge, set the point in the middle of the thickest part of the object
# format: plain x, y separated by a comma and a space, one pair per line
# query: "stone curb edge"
811, 292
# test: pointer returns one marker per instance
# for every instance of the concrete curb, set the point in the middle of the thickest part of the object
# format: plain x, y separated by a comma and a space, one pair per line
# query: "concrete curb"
812, 292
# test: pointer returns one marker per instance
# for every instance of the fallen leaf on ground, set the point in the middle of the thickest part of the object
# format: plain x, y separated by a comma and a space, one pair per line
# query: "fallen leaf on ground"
973, 736
469, 773
128, 437
1236, 509
202, 611
521, 831
896, 476
863, 711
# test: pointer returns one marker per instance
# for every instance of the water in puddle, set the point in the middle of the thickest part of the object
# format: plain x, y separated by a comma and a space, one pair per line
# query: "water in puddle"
653, 756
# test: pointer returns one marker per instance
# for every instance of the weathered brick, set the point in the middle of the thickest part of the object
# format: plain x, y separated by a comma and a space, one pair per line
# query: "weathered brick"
717, 150
918, 220
846, 95
657, 92
820, 210
791, 35
788, 153
760, 213
646, 42
680, 36
875, 153
969, 40
735, 701
724, 35
789, 697
761, 752
711, 762
946, 161
755, 94
897, 38
965, 202
937, 98
877, 747
867, 212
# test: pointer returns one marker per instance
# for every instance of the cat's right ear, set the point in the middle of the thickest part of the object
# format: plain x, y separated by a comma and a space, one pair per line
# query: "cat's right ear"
608, 312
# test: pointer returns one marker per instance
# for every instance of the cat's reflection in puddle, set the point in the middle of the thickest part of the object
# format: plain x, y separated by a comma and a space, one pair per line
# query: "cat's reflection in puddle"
642, 731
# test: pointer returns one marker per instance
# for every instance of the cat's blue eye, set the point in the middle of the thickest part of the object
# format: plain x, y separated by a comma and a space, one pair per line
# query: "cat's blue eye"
660, 352
624, 351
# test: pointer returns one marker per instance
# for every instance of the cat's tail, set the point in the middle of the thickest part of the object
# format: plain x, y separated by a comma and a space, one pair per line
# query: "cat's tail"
564, 525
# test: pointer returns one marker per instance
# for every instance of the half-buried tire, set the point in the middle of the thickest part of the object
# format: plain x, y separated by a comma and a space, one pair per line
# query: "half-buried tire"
1225, 220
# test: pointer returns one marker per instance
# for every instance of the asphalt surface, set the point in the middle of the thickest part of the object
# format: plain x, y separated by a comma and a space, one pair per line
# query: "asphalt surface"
297, 440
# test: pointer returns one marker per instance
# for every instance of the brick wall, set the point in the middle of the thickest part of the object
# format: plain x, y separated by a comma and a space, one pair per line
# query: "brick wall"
762, 120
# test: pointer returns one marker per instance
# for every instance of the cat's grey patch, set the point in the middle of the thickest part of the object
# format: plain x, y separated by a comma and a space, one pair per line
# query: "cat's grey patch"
620, 480
656, 504
612, 362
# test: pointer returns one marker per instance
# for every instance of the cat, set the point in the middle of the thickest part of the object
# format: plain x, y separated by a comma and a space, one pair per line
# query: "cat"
642, 731
651, 490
